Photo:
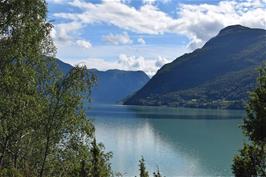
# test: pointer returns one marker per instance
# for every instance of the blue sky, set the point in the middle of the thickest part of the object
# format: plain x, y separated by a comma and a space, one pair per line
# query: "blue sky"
142, 34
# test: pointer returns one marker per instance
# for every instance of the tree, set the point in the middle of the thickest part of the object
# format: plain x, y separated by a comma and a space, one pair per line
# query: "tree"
142, 168
157, 173
44, 130
252, 158
63, 121
97, 161
24, 39
255, 122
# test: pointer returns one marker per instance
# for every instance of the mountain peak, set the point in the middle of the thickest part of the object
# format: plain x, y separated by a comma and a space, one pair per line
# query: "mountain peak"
218, 75
232, 29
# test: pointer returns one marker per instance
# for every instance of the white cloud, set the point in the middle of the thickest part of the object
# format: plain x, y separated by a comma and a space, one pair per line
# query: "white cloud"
117, 39
74, 52
203, 21
63, 35
199, 22
141, 41
84, 44
161, 61
148, 65
148, 1
125, 62
97, 63
155, 1
62, 32
126, 1
57, 1
53, 33
147, 19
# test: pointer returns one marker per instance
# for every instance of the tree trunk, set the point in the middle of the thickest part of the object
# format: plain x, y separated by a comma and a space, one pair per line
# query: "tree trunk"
3, 152
45, 156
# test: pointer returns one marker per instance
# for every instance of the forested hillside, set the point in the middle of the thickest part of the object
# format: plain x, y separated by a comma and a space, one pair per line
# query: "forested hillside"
218, 75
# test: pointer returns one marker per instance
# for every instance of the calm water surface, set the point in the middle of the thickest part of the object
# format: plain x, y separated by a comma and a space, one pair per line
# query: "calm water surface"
180, 141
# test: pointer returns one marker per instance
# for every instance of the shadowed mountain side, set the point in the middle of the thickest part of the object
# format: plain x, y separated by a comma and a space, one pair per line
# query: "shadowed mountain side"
218, 75
112, 86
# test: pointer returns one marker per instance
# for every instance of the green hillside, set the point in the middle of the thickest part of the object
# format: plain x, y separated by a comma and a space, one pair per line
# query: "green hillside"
218, 75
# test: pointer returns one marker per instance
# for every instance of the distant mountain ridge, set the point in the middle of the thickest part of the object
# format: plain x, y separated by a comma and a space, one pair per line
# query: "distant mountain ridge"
218, 75
112, 86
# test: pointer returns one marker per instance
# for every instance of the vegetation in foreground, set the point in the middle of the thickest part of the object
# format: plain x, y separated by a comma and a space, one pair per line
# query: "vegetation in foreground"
43, 128
44, 131
251, 160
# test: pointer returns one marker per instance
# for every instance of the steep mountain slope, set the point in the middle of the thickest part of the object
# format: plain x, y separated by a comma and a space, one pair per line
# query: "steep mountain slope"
62, 66
218, 75
115, 85
112, 86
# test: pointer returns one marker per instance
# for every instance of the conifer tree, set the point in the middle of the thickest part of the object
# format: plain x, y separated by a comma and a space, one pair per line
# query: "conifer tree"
142, 169
252, 158
157, 173
98, 166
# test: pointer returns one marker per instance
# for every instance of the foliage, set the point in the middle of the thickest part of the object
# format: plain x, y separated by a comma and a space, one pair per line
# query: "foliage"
10, 172
43, 128
250, 162
255, 123
98, 159
142, 168
252, 158
143, 172
157, 173
23, 32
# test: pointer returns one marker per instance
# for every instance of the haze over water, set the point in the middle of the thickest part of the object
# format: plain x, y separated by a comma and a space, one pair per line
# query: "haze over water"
181, 142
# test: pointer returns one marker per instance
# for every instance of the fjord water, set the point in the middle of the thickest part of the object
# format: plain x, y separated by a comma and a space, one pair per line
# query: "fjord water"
180, 141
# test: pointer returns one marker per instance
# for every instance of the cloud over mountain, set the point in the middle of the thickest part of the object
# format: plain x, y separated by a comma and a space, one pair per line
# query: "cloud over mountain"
126, 62
198, 22
145, 34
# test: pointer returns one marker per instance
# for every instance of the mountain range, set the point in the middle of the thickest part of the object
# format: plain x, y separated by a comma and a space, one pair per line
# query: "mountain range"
218, 75
112, 86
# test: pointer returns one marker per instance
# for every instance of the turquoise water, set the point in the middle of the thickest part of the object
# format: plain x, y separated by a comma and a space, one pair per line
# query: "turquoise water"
180, 141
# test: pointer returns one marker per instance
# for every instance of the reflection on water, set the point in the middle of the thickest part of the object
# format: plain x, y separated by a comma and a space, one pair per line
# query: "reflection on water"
182, 141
